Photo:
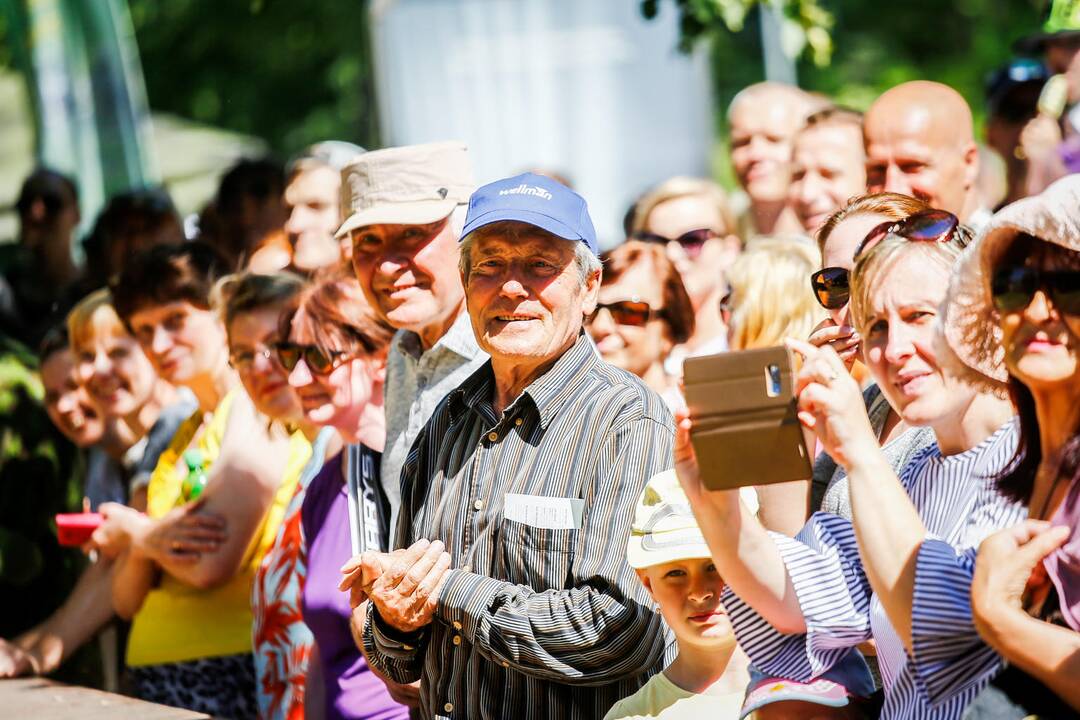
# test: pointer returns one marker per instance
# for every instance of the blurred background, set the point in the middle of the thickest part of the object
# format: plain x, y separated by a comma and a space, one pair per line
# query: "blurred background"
613, 94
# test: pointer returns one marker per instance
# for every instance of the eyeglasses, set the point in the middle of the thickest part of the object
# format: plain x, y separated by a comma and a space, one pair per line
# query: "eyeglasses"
926, 226
832, 287
634, 313
246, 358
691, 241
1013, 289
289, 355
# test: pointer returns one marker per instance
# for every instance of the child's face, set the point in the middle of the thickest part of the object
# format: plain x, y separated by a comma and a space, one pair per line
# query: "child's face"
688, 593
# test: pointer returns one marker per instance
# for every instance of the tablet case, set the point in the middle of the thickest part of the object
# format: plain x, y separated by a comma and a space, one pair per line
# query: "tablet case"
743, 407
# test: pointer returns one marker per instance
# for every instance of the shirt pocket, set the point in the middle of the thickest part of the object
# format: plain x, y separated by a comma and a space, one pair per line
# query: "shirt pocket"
539, 558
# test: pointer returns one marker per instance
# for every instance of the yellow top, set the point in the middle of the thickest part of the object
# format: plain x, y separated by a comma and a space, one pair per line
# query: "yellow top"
661, 698
178, 622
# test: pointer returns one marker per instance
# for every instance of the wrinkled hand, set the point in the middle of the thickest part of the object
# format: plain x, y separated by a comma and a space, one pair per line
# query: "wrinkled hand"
406, 592
831, 404
362, 570
841, 338
183, 535
1004, 567
14, 661
1039, 138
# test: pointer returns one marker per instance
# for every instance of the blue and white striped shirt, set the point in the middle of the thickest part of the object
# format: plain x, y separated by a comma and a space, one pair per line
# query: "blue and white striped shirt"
959, 504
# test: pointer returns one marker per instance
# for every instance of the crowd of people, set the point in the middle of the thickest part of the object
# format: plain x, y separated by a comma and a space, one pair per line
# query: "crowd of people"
368, 440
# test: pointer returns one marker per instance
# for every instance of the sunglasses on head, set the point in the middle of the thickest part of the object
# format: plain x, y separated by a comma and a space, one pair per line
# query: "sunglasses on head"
832, 287
627, 312
926, 226
691, 241
289, 355
1013, 289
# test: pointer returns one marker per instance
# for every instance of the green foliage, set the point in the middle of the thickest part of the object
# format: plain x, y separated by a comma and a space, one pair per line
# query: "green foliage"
291, 73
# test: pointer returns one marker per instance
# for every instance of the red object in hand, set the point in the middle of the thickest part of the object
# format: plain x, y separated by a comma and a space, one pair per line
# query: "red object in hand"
74, 529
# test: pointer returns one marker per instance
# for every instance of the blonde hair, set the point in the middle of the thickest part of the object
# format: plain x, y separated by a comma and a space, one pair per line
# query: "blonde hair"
893, 206
678, 187
872, 268
94, 316
771, 293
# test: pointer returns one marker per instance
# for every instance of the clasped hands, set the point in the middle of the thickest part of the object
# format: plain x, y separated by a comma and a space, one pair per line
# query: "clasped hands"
403, 586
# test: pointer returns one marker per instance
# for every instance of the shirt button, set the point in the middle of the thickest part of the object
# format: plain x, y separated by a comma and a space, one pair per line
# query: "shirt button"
505, 664
467, 568
406, 647
457, 639
448, 707
478, 505
457, 625
518, 421
493, 436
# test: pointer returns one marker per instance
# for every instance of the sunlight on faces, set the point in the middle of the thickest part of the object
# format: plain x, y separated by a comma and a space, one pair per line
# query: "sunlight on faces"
338, 398
688, 593
828, 168
409, 272
911, 153
631, 348
67, 402
898, 337
181, 340
676, 216
1042, 343
839, 250
266, 382
525, 296
312, 200
762, 127
115, 371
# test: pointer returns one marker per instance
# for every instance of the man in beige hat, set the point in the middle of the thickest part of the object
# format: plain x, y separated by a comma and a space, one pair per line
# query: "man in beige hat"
404, 209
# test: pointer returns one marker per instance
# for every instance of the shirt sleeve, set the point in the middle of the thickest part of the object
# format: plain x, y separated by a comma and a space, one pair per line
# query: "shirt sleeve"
399, 656
602, 628
833, 593
948, 654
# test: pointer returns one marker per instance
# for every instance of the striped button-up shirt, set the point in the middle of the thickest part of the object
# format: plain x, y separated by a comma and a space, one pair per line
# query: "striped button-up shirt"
540, 617
957, 499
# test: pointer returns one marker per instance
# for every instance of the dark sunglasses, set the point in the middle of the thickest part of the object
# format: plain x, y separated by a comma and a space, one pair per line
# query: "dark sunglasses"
1013, 289
691, 241
832, 287
318, 362
627, 312
926, 226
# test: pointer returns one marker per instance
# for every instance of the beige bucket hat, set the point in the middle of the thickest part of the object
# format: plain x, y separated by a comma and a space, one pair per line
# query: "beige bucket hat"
968, 322
408, 185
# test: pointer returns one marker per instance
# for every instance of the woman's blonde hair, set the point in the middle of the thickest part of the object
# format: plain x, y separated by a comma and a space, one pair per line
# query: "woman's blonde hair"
893, 206
872, 267
94, 316
678, 187
771, 294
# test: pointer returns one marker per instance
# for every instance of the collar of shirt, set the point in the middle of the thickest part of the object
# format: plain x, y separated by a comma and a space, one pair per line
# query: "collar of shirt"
546, 394
459, 339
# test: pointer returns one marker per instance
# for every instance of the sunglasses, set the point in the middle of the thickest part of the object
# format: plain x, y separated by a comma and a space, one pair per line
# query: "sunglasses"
832, 287
1013, 289
691, 241
627, 312
926, 226
289, 355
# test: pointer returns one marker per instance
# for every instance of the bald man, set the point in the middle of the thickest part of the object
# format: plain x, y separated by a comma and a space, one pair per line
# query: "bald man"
763, 119
920, 142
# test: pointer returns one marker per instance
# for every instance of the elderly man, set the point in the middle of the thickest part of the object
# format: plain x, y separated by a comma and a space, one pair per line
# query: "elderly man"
920, 142
512, 595
312, 199
828, 166
764, 118
406, 210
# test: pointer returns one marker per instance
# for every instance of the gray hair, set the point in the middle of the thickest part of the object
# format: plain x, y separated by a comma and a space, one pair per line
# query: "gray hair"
586, 260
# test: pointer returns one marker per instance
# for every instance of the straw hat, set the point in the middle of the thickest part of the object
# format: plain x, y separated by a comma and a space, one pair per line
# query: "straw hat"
969, 330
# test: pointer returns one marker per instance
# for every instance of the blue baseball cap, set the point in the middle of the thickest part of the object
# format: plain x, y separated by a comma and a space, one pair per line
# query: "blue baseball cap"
535, 200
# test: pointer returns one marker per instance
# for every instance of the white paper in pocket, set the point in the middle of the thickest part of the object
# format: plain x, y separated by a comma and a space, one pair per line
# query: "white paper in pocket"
541, 511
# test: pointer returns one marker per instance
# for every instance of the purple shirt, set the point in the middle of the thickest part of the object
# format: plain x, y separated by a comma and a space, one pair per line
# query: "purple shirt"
352, 690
